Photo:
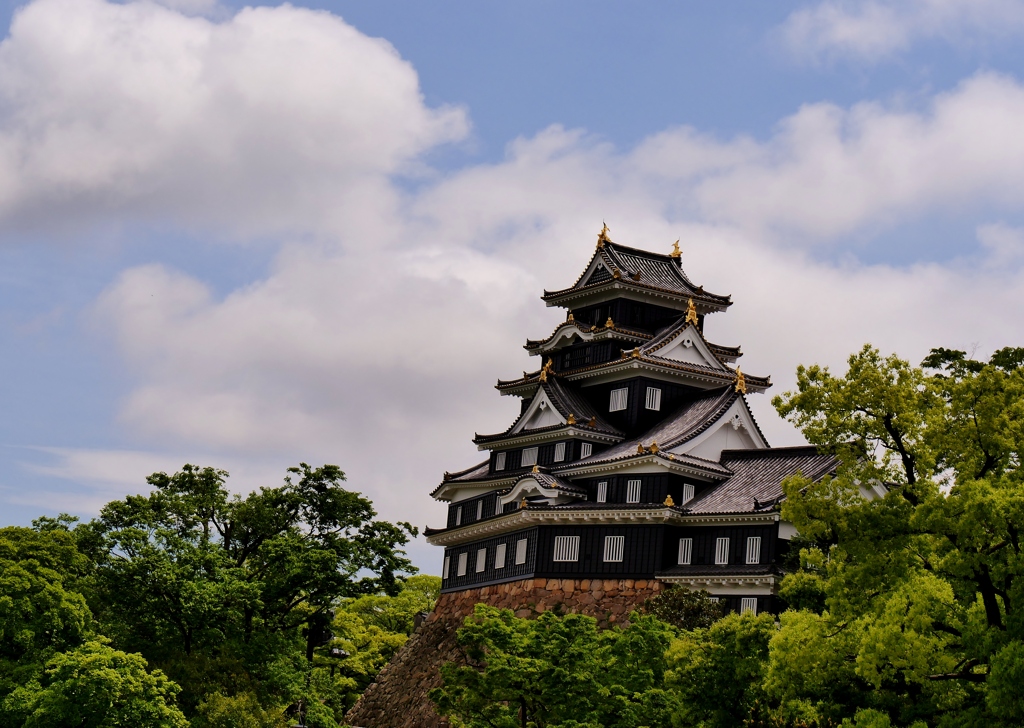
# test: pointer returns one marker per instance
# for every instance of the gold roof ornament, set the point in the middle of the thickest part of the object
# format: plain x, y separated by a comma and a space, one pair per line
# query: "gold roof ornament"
522, 503
668, 500
570, 319
609, 324
616, 274
676, 253
592, 422
602, 237
636, 352
571, 419
691, 313
536, 469
548, 368
640, 449
741, 382
671, 456
654, 446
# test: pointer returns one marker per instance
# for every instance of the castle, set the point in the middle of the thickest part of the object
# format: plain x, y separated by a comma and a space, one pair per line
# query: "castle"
634, 463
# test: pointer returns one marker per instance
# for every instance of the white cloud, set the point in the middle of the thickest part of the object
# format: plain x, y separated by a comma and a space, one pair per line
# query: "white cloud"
870, 30
252, 124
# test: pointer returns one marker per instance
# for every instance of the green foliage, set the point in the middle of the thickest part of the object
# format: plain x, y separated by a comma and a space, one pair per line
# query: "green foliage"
684, 609
95, 686
909, 594
718, 671
556, 672
243, 710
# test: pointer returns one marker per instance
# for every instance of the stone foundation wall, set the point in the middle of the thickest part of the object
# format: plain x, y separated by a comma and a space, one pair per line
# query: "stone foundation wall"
398, 698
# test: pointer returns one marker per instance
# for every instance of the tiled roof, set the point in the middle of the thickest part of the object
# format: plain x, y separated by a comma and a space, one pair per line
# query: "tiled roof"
758, 475
642, 269
721, 570
603, 332
567, 402
553, 481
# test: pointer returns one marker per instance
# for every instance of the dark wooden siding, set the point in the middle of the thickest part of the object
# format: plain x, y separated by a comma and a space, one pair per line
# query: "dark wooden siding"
627, 314
705, 538
469, 507
545, 456
641, 553
636, 418
653, 487
490, 575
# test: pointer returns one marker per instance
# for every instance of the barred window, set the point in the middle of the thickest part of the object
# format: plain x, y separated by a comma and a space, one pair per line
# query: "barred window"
748, 604
602, 492
685, 551
479, 510
687, 493
521, 551
559, 452
447, 563
633, 491
722, 551
529, 456
586, 449
458, 516
481, 560
654, 398
618, 400
613, 546
499, 556
567, 548
463, 559
754, 550
499, 461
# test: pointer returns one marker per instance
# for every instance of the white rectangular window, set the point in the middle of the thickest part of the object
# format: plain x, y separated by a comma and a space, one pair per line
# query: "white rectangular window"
499, 556
722, 551
463, 558
654, 399
586, 449
521, 551
713, 599
499, 461
633, 491
481, 560
618, 400
529, 456
458, 516
748, 604
447, 564
687, 493
602, 492
754, 550
613, 548
685, 551
479, 510
559, 452
567, 548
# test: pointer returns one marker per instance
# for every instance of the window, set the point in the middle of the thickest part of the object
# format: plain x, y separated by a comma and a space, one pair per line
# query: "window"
613, 548
567, 548
602, 492
633, 491
687, 493
559, 452
754, 550
685, 551
458, 516
748, 604
463, 558
722, 551
618, 400
713, 599
529, 456
499, 461
447, 563
521, 551
654, 399
479, 510
585, 450
499, 556
481, 560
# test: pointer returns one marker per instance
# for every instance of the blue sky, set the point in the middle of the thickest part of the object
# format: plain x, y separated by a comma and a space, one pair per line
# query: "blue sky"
248, 237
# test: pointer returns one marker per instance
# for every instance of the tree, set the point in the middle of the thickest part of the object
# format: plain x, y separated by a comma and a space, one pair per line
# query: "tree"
235, 594
96, 686
556, 672
916, 548
684, 609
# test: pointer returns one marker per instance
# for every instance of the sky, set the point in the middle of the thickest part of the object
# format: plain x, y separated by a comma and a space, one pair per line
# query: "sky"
252, 236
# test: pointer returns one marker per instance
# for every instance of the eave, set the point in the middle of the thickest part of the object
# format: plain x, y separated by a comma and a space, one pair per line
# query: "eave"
616, 287
545, 434
586, 332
